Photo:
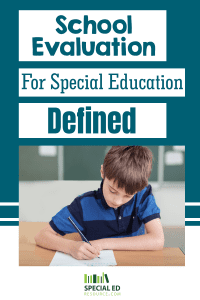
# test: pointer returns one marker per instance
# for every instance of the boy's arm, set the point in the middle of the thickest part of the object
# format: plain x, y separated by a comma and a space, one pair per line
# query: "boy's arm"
48, 238
152, 240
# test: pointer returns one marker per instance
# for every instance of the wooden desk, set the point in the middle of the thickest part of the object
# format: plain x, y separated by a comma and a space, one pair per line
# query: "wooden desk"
32, 255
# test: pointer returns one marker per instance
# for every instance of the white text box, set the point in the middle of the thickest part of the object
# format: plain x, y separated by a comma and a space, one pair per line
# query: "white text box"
102, 82
150, 120
42, 36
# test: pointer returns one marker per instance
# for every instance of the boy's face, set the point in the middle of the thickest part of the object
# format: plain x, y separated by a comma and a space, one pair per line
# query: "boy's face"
114, 195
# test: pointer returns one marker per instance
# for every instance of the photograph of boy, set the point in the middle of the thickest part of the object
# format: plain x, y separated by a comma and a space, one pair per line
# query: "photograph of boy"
121, 215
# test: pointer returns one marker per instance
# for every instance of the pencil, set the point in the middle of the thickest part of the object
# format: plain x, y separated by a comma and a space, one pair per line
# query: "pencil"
72, 222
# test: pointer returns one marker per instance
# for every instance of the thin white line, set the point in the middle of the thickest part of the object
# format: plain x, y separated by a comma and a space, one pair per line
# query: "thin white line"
192, 219
9, 203
192, 203
9, 219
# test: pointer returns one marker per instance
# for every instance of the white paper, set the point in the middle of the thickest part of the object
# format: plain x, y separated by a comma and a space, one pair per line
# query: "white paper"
107, 258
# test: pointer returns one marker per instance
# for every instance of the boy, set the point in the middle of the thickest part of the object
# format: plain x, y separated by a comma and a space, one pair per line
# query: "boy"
113, 217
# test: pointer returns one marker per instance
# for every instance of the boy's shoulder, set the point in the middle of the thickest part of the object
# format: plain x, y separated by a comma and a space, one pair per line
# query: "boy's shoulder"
143, 194
90, 194
82, 201
86, 202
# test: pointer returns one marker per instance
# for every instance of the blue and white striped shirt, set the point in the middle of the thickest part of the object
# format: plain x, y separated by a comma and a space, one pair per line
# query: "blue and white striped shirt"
97, 220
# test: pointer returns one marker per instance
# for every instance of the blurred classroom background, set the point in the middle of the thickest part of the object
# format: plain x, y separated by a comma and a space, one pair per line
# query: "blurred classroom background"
50, 177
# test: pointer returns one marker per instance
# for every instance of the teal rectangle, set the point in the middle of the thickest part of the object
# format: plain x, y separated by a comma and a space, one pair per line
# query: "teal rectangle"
9, 223
192, 211
192, 223
192, 200
7, 200
9, 211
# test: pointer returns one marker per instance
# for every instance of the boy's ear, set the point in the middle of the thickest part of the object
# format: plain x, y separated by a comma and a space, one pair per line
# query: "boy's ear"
101, 171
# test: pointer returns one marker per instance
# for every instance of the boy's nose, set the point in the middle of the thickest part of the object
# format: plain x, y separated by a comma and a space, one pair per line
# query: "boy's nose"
119, 202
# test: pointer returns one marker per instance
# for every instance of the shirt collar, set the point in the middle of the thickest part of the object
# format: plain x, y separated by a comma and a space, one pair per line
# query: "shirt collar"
103, 201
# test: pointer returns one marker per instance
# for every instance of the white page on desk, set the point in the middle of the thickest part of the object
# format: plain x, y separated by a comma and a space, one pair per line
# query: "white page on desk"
107, 258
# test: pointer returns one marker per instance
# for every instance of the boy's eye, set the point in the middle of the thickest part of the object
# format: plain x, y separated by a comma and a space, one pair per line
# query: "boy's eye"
112, 192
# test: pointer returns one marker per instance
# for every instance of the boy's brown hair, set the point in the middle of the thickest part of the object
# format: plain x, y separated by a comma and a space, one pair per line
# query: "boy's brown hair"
129, 166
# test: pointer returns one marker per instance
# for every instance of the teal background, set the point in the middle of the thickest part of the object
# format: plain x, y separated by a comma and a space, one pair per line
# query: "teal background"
182, 113
9, 212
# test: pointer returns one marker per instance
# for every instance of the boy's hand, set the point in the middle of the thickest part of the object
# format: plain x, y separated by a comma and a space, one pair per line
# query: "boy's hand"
98, 244
83, 250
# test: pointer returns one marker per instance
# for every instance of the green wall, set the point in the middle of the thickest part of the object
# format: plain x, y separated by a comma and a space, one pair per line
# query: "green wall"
82, 163
32, 166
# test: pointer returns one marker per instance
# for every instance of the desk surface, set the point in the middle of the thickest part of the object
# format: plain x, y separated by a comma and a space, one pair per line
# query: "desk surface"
32, 255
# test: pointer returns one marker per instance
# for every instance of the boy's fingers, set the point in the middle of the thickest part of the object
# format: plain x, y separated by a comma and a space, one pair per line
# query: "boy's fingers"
85, 256
92, 249
89, 254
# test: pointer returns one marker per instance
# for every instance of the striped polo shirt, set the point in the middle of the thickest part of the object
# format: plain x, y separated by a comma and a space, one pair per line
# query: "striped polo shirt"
97, 220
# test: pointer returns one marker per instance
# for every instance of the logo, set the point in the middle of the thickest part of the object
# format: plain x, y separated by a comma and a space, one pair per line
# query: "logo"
96, 279
100, 286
